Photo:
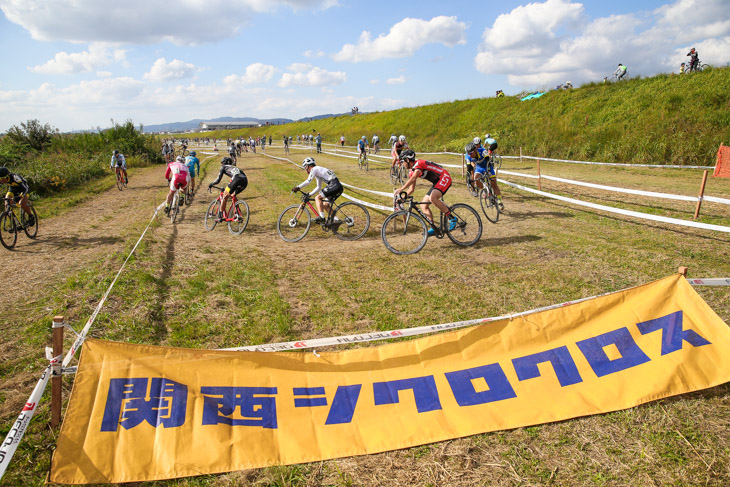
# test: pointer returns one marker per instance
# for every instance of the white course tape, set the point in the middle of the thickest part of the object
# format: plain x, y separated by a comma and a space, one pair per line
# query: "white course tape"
10, 444
617, 163
365, 203
639, 192
635, 214
380, 193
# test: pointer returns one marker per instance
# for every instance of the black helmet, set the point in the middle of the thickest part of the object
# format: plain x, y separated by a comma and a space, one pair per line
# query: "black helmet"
115, 152
4, 172
227, 161
470, 147
408, 155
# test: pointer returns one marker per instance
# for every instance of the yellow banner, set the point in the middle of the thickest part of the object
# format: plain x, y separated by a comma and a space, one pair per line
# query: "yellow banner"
145, 413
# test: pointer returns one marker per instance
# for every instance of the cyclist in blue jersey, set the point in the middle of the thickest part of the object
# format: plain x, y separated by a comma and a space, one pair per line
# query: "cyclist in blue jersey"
193, 168
479, 158
362, 145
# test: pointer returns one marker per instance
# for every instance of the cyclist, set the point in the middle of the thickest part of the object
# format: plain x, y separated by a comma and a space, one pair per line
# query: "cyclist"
178, 176
238, 182
436, 175
193, 164
318, 139
166, 151
362, 144
694, 59
376, 143
477, 141
398, 147
392, 140
342, 140
481, 159
18, 191
332, 190
620, 72
119, 164
232, 151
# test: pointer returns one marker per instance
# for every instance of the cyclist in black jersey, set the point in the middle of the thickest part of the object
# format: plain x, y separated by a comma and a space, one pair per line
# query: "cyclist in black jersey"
238, 183
18, 190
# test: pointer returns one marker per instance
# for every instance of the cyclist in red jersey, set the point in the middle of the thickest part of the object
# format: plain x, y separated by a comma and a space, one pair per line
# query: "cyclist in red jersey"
436, 175
398, 147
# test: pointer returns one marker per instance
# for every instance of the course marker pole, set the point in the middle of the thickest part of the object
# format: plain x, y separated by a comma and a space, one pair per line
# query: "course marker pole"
56, 375
539, 179
683, 271
702, 192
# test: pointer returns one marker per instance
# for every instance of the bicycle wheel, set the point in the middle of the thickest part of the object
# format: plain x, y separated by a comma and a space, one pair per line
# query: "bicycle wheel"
468, 229
185, 153
360, 162
366, 163
8, 230
30, 230
489, 203
175, 206
404, 233
188, 197
403, 177
393, 175
240, 215
293, 223
354, 221
210, 216
120, 182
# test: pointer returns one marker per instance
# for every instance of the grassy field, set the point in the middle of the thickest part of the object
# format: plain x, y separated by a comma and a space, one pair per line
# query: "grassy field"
190, 288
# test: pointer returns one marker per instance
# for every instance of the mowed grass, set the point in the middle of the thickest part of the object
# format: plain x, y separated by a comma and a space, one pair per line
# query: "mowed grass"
190, 288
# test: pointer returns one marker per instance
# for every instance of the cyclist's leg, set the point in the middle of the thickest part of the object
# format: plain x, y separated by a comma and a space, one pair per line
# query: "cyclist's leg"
24, 204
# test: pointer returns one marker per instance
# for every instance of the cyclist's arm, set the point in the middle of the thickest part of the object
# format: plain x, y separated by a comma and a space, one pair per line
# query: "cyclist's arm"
410, 185
220, 176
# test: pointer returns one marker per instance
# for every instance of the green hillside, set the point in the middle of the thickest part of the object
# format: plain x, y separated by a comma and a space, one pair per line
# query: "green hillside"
666, 119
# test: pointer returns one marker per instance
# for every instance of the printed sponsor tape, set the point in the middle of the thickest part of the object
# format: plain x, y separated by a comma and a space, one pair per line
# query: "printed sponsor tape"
635, 214
717, 281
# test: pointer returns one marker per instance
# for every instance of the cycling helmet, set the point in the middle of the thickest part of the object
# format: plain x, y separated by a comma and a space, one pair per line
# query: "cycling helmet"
364, 138
115, 152
402, 139
192, 153
309, 161
179, 159
470, 147
477, 141
4, 172
488, 136
408, 155
227, 161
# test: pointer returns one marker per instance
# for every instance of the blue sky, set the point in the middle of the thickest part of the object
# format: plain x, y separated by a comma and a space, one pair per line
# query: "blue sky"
77, 64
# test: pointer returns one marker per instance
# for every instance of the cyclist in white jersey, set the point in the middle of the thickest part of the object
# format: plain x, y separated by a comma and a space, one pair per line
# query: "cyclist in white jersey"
331, 191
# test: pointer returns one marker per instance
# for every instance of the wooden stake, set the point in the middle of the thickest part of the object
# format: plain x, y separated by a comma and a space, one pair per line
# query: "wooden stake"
539, 180
520, 155
683, 270
56, 373
702, 193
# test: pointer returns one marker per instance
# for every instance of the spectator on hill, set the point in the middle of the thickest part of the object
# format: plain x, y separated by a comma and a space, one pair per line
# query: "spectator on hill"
319, 143
342, 140
694, 59
620, 72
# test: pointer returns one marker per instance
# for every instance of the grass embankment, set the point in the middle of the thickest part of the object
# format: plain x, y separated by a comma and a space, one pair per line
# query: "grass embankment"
660, 120
190, 288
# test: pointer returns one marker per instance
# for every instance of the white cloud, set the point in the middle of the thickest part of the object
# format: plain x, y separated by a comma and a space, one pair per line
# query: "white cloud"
255, 73
374, 81
104, 74
404, 38
97, 56
174, 70
397, 81
141, 21
306, 75
541, 44
313, 54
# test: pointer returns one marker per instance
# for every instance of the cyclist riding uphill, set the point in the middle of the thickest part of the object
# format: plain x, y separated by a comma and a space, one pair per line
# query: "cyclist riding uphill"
178, 176
437, 176
399, 146
238, 182
193, 164
362, 144
17, 190
480, 158
332, 190
119, 164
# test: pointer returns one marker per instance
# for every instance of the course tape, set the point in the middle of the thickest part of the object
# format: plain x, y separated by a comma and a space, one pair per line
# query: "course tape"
12, 440
617, 163
718, 281
635, 214
651, 194
403, 332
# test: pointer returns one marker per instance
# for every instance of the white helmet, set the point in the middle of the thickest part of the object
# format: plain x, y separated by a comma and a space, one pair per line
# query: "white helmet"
402, 139
477, 141
179, 159
364, 138
487, 136
309, 161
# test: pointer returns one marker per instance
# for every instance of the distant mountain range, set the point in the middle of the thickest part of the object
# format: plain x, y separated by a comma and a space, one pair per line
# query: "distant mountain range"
193, 124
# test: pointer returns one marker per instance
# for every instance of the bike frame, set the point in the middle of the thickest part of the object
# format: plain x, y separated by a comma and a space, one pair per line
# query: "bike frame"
415, 205
308, 203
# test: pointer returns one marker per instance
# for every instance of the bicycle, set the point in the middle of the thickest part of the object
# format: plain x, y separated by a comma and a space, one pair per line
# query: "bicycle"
348, 221
700, 66
176, 202
488, 200
10, 225
470, 186
236, 215
405, 231
398, 173
376, 148
362, 161
121, 180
